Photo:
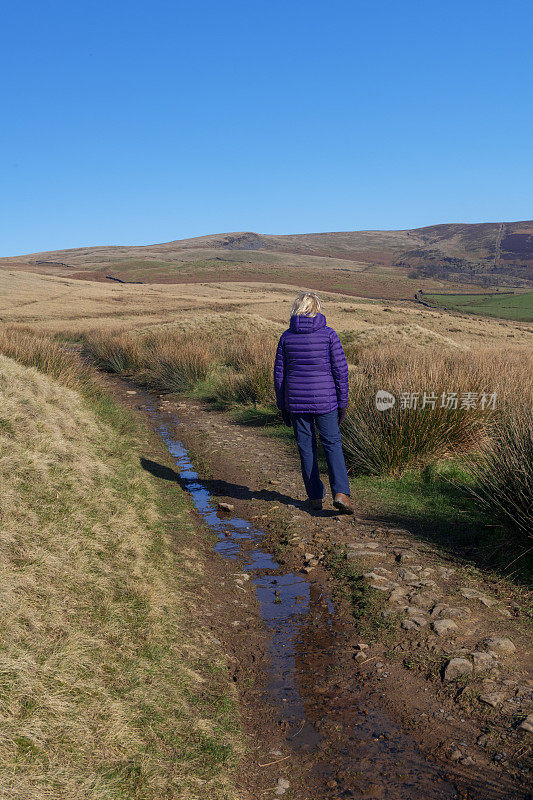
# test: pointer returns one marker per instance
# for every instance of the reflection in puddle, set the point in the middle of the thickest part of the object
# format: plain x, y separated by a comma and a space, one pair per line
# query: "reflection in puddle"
283, 598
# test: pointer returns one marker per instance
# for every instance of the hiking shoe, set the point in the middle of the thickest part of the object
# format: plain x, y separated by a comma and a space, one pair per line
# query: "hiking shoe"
342, 503
316, 505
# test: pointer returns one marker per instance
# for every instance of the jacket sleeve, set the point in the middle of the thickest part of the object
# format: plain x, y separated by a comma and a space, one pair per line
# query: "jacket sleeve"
279, 376
339, 369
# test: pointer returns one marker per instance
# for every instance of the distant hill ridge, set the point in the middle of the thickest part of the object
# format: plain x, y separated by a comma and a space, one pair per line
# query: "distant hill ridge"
500, 253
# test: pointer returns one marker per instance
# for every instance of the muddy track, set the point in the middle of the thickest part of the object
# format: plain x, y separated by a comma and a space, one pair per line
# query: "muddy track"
322, 711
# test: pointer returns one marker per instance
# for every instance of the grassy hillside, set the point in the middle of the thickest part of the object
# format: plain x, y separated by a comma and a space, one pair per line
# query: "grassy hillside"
369, 263
110, 687
518, 306
69, 306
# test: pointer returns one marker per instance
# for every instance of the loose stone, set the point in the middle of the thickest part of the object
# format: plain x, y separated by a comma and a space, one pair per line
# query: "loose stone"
492, 699
423, 599
383, 571
403, 555
473, 594
414, 611
407, 575
397, 595
457, 668
482, 661
445, 572
443, 627
504, 612
414, 623
363, 546
353, 555
379, 581
384, 586
425, 573
457, 612
527, 724
499, 644
282, 785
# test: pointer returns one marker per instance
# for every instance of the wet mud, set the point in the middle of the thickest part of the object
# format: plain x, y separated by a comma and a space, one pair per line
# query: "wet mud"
357, 749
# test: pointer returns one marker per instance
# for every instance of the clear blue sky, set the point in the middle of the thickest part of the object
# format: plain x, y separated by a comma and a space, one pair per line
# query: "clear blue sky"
137, 122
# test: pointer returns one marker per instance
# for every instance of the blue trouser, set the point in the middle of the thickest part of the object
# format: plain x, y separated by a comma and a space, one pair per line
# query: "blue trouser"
330, 437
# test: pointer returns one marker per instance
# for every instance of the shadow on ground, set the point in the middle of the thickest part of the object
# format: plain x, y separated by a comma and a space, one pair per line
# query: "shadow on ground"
451, 522
236, 491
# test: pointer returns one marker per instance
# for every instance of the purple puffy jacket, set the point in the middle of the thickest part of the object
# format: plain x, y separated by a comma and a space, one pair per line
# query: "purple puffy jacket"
310, 371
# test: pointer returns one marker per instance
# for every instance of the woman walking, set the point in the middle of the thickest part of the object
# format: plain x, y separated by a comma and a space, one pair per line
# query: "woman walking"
311, 382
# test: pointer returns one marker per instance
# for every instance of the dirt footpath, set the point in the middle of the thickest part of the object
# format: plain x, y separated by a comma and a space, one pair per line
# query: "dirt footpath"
441, 654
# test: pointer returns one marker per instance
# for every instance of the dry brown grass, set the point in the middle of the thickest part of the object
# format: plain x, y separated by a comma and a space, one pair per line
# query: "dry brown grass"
239, 368
506, 371
103, 665
61, 304
391, 441
173, 359
246, 377
38, 350
111, 353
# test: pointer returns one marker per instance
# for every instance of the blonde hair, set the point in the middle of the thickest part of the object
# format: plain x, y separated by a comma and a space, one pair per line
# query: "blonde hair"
307, 304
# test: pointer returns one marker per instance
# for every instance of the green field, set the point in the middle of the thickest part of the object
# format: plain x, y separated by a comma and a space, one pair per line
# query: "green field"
517, 306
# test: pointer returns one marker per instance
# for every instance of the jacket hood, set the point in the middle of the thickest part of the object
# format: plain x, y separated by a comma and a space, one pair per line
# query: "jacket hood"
301, 324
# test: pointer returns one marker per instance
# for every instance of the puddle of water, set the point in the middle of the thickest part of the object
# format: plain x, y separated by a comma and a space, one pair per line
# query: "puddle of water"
283, 598
370, 757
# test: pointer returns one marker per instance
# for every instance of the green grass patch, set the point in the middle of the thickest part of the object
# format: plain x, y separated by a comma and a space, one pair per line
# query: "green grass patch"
366, 603
265, 417
140, 264
517, 306
437, 505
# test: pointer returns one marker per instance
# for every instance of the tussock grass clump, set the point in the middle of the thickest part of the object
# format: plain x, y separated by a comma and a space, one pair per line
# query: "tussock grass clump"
176, 361
387, 443
46, 355
504, 478
390, 441
165, 360
116, 352
252, 386
247, 377
173, 362
240, 352
111, 687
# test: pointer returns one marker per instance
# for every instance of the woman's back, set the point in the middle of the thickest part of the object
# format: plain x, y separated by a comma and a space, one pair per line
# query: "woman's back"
311, 369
